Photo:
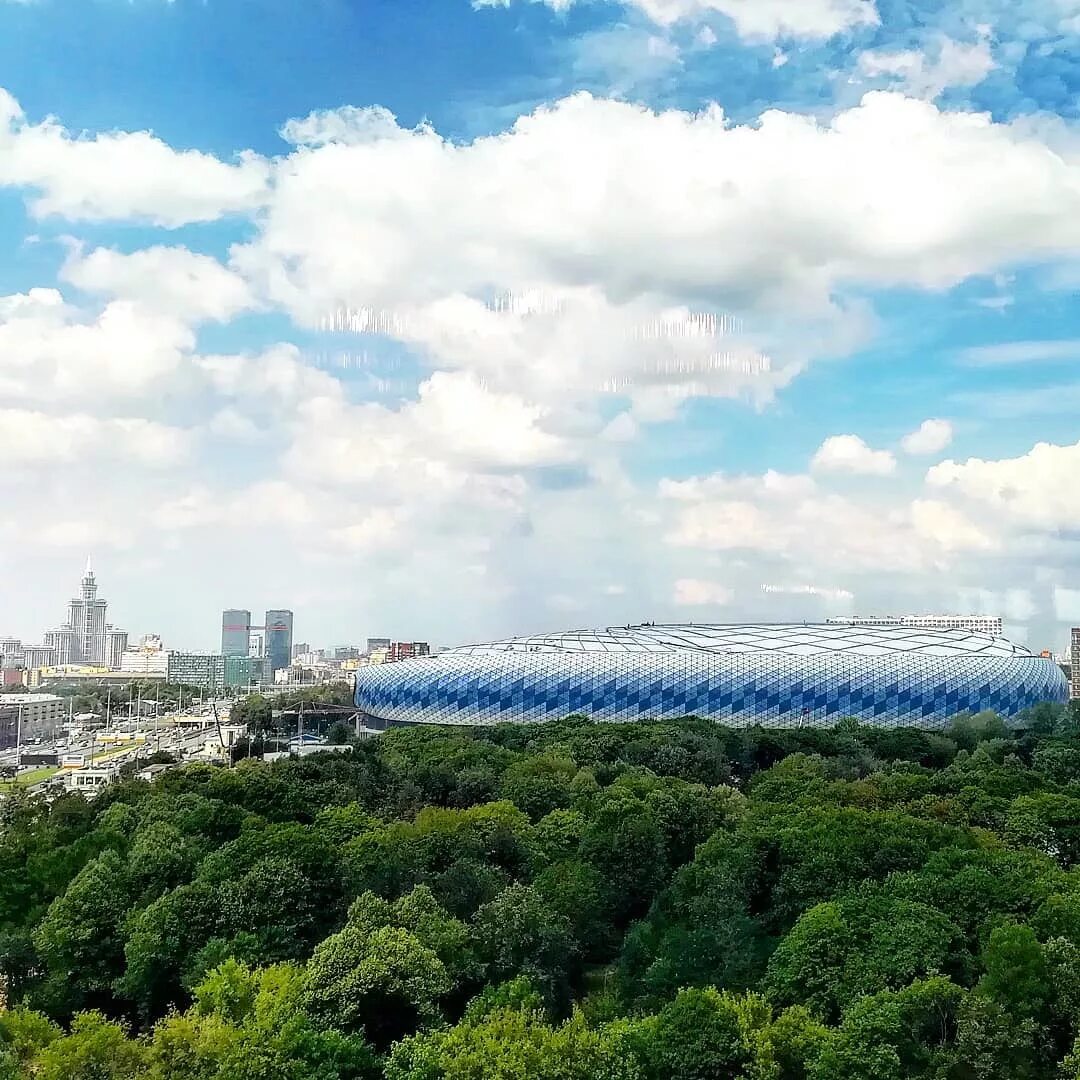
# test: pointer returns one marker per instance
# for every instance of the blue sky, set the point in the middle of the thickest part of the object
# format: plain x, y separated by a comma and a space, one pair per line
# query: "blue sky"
536, 203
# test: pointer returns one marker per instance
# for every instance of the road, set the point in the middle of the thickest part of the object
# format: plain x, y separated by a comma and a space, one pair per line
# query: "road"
160, 733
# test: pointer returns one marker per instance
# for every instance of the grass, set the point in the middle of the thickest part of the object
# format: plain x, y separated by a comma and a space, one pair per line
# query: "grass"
34, 776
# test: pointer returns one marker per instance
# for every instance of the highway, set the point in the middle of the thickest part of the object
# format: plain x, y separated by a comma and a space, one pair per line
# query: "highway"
152, 734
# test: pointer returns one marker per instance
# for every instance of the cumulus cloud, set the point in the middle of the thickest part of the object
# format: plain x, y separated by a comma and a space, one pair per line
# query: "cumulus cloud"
170, 280
442, 443
930, 437
793, 522
848, 453
1036, 490
49, 349
673, 204
121, 175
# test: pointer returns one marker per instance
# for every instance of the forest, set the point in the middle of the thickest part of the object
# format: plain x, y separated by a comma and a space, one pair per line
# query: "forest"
571, 901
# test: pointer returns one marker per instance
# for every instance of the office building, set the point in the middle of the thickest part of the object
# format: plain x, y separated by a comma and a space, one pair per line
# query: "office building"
278, 629
406, 650
116, 643
39, 656
257, 647
1074, 665
377, 644
244, 672
62, 644
235, 632
977, 624
775, 675
40, 716
204, 670
11, 647
301, 648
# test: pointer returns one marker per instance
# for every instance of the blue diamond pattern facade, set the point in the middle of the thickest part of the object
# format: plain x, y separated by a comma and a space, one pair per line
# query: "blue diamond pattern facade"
778, 675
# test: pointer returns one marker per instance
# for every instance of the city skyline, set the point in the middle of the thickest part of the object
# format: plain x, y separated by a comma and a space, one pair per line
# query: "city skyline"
464, 320
237, 633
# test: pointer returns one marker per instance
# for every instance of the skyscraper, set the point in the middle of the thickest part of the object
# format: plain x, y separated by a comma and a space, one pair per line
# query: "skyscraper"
235, 632
279, 637
83, 638
86, 616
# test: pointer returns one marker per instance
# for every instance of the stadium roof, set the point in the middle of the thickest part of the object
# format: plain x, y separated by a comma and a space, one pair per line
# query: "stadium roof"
798, 639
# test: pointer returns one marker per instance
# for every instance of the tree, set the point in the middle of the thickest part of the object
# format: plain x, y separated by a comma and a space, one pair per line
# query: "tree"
79, 939
539, 784
841, 950
1017, 975
512, 1044
894, 1035
340, 734
698, 1037
517, 933
95, 1049
626, 846
385, 982
249, 1024
253, 712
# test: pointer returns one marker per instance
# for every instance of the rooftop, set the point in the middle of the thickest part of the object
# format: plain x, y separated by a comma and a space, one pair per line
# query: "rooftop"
799, 639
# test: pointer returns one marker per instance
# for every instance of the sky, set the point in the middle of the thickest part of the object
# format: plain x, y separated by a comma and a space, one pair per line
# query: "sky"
450, 321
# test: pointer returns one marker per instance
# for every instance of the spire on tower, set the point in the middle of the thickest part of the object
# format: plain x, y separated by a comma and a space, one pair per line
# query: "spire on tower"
89, 567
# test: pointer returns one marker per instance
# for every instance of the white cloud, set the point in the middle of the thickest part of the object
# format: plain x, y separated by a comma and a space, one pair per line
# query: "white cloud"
121, 175
641, 204
1036, 490
29, 438
955, 64
753, 19
170, 280
848, 453
792, 522
948, 527
930, 437
50, 350
693, 592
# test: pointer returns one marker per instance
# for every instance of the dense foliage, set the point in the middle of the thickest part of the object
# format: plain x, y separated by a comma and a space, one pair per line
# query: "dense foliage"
569, 901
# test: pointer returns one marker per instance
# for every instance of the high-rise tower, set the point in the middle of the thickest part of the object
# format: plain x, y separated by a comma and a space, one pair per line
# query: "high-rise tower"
279, 638
235, 632
86, 617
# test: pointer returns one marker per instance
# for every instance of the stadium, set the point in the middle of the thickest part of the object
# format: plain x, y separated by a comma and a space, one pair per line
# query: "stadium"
777, 675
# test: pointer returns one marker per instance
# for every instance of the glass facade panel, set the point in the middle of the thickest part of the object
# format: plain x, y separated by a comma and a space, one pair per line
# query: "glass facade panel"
779, 676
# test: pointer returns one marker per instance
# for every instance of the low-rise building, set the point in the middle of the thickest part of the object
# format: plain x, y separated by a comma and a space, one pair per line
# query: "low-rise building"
407, 650
979, 624
91, 777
